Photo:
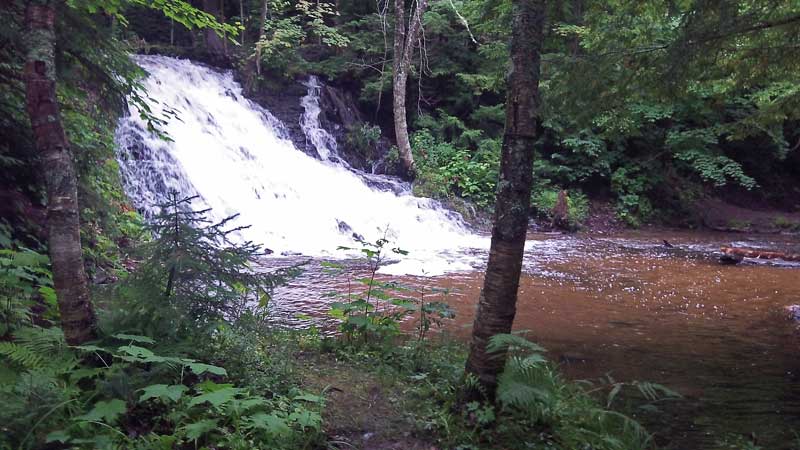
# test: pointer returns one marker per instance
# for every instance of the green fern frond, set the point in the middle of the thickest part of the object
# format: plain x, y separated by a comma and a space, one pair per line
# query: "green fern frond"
21, 355
500, 342
41, 340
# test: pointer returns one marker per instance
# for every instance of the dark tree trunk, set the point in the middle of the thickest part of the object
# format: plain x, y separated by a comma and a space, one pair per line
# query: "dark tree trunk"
77, 315
215, 46
404, 41
262, 24
498, 297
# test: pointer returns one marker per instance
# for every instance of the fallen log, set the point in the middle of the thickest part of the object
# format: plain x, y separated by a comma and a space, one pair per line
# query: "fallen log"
733, 255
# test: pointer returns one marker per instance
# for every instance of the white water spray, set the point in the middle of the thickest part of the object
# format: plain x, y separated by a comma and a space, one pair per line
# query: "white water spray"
323, 142
237, 157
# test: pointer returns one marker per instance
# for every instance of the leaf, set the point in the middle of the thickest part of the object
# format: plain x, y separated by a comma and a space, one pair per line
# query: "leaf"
306, 419
58, 436
136, 351
500, 342
403, 303
613, 394
49, 295
196, 430
310, 398
107, 412
263, 301
331, 265
216, 398
269, 422
200, 368
134, 338
90, 348
163, 392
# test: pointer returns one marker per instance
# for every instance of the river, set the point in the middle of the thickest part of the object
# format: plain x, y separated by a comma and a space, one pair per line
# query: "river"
625, 305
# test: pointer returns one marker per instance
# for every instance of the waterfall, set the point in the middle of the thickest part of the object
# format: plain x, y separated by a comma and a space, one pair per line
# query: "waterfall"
323, 142
237, 157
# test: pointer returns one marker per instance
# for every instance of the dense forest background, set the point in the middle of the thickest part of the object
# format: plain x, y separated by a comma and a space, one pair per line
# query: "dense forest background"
653, 108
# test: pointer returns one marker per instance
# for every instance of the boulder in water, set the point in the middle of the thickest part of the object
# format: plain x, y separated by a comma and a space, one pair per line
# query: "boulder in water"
793, 313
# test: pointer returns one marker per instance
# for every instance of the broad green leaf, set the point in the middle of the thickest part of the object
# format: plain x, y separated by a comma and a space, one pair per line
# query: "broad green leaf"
269, 422
136, 351
134, 338
196, 430
306, 419
310, 398
58, 436
163, 392
107, 412
216, 398
200, 368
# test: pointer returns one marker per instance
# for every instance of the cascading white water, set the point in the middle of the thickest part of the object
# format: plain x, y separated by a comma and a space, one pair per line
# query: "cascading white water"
323, 141
237, 157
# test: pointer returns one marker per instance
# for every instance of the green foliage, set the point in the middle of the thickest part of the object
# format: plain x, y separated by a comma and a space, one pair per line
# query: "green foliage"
364, 139
446, 171
292, 27
373, 311
25, 280
631, 187
544, 200
531, 389
137, 396
194, 276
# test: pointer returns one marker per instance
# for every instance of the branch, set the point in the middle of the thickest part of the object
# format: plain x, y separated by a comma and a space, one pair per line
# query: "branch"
414, 30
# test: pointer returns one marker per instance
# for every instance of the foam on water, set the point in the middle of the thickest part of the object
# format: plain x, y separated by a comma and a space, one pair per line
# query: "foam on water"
237, 157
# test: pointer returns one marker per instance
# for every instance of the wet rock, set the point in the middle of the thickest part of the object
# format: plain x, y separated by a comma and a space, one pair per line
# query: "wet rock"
793, 313
573, 358
102, 277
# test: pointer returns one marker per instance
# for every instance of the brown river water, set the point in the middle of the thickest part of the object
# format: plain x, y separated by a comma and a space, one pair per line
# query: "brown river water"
627, 306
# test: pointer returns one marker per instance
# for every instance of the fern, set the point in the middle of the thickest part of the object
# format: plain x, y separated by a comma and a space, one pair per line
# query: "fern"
534, 391
22, 356
500, 342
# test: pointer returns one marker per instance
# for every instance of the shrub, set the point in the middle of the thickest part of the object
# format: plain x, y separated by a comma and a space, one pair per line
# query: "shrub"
544, 200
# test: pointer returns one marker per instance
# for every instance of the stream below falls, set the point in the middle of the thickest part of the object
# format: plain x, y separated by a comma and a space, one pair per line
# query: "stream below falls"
626, 306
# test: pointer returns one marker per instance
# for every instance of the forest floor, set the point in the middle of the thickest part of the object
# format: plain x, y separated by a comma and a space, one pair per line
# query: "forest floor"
364, 409
722, 216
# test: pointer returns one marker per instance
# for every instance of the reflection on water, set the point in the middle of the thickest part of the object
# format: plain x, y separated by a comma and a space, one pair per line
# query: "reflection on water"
628, 306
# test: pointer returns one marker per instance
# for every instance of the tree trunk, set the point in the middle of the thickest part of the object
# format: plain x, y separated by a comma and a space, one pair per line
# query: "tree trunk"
262, 24
77, 315
741, 252
404, 41
498, 297
215, 46
244, 25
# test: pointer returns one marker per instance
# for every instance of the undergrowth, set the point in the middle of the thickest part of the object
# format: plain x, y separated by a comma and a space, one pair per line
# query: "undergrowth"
187, 358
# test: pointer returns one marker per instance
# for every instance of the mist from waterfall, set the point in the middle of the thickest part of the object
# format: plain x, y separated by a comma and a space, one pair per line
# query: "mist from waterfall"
237, 157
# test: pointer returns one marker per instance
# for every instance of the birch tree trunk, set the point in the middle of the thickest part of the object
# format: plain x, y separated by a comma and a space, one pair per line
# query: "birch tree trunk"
498, 298
405, 38
74, 303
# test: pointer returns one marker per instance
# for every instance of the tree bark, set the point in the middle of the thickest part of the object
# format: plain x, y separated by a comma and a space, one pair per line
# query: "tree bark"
262, 24
215, 45
74, 303
742, 252
498, 298
405, 38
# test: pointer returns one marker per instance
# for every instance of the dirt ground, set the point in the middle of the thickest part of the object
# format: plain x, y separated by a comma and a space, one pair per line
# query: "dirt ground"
362, 411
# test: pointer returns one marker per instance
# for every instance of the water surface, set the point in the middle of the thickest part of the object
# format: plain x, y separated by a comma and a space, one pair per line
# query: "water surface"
626, 305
